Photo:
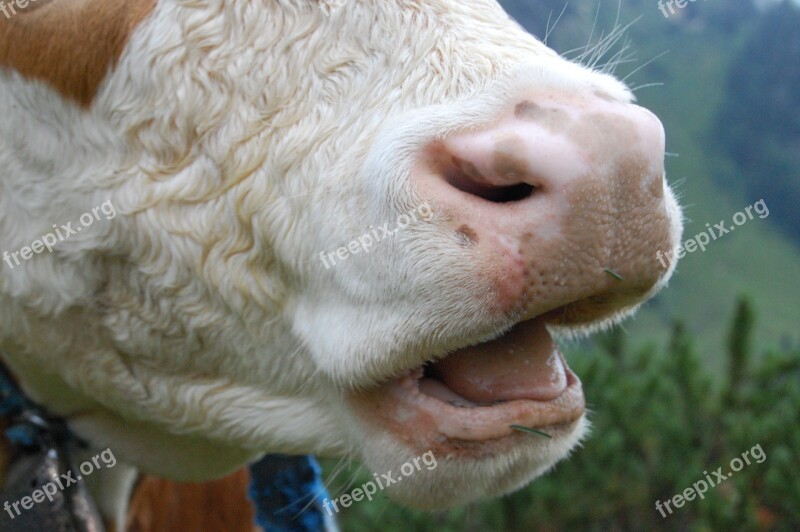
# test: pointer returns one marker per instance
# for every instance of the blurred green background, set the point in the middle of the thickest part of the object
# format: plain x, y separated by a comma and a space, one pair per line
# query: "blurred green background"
711, 367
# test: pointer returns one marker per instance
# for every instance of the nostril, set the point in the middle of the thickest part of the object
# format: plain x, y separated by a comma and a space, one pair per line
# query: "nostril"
465, 177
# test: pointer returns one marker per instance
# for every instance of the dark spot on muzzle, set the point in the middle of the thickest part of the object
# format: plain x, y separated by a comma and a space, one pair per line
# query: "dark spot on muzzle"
467, 234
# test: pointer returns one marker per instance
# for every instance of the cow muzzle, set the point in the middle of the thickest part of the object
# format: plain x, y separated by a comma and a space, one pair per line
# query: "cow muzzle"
563, 206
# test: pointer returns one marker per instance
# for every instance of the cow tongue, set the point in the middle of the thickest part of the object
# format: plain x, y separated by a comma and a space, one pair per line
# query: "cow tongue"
522, 364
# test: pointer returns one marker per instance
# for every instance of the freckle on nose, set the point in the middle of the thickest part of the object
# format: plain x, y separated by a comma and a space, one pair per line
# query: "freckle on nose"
527, 110
554, 120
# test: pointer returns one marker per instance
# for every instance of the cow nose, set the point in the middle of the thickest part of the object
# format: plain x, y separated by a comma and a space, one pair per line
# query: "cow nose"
560, 192
550, 148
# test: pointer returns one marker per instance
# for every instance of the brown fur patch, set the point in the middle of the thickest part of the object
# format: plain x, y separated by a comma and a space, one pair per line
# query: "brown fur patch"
158, 505
69, 44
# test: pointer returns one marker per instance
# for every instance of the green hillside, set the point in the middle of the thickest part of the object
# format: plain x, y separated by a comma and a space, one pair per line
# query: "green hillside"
756, 259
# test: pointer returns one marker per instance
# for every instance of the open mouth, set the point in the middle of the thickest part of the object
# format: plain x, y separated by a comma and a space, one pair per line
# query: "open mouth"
477, 393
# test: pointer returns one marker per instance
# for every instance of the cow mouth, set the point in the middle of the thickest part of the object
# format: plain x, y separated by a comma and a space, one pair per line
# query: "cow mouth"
479, 392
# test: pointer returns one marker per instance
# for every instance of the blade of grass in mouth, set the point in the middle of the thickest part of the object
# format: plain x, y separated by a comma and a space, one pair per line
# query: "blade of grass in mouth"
530, 430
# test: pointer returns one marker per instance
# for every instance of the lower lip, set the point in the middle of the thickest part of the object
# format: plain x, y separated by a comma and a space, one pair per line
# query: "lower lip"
401, 407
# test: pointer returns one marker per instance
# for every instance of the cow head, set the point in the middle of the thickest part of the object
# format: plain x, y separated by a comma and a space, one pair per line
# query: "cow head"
346, 231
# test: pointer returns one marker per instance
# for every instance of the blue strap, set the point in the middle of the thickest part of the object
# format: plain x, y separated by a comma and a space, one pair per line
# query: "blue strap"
29, 424
287, 492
